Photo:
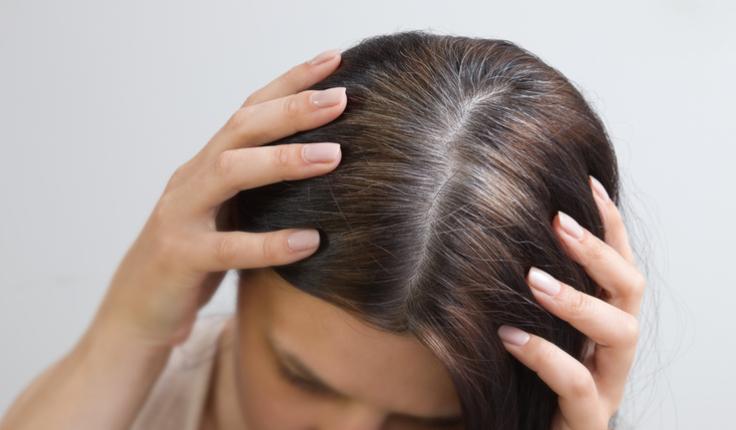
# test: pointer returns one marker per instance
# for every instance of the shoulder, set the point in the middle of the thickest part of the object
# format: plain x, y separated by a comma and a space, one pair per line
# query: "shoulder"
177, 398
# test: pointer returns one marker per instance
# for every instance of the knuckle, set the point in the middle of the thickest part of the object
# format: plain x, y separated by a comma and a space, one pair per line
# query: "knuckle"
179, 175
282, 156
613, 213
291, 107
224, 164
251, 99
175, 178
577, 303
166, 245
270, 248
240, 118
160, 214
226, 250
595, 248
165, 248
630, 330
639, 284
173, 182
542, 354
582, 384
161, 235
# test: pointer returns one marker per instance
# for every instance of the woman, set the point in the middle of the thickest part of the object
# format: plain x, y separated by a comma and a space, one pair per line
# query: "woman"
426, 233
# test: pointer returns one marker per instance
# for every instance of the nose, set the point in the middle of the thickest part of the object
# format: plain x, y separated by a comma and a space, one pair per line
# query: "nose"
356, 416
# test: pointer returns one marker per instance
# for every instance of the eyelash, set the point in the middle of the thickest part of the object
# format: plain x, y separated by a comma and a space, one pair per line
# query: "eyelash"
308, 386
300, 382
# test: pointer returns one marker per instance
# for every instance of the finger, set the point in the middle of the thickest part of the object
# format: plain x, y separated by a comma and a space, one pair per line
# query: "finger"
622, 281
613, 225
245, 168
221, 251
614, 331
298, 78
607, 325
578, 395
274, 119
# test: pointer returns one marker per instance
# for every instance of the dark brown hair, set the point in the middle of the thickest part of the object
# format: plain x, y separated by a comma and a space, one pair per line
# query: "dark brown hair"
457, 152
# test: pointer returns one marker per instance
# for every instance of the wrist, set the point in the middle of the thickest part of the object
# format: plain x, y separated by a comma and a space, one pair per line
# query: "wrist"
110, 345
114, 375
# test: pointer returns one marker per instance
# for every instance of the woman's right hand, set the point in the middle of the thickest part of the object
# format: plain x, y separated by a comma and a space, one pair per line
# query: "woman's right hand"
179, 259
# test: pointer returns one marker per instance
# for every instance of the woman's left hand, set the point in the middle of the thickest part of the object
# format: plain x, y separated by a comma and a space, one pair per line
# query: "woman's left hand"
590, 392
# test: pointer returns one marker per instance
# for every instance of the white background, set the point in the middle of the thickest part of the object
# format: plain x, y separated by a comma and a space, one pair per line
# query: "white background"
101, 100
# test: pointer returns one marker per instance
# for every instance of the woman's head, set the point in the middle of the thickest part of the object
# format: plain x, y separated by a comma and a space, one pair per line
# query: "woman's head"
457, 153
304, 363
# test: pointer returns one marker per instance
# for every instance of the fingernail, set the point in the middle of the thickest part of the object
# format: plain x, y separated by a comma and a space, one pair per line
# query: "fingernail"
303, 239
513, 335
600, 189
570, 226
324, 57
543, 281
320, 152
327, 98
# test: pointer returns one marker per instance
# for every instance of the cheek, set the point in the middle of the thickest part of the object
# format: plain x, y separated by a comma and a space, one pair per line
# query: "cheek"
267, 400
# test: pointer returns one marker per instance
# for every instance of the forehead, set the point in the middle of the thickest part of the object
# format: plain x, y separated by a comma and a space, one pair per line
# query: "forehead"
389, 370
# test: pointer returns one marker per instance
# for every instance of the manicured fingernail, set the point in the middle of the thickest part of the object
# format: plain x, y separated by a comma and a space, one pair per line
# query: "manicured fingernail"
327, 98
600, 189
543, 281
570, 226
513, 335
320, 152
324, 57
303, 239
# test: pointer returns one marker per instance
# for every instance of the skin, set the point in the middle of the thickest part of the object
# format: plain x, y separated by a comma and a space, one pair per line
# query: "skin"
179, 259
370, 379
337, 345
589, 392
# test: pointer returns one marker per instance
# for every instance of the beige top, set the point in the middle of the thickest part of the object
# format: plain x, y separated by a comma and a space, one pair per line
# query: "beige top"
177, 398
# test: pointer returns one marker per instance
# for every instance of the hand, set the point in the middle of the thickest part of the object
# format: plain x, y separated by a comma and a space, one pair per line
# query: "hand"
179, 259
589, 392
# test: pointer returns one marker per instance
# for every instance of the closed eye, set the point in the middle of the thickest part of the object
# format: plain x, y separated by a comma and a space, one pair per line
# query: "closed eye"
303, 383
303, 379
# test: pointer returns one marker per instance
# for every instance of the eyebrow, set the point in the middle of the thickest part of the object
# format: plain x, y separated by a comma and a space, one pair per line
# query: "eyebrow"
288, 360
